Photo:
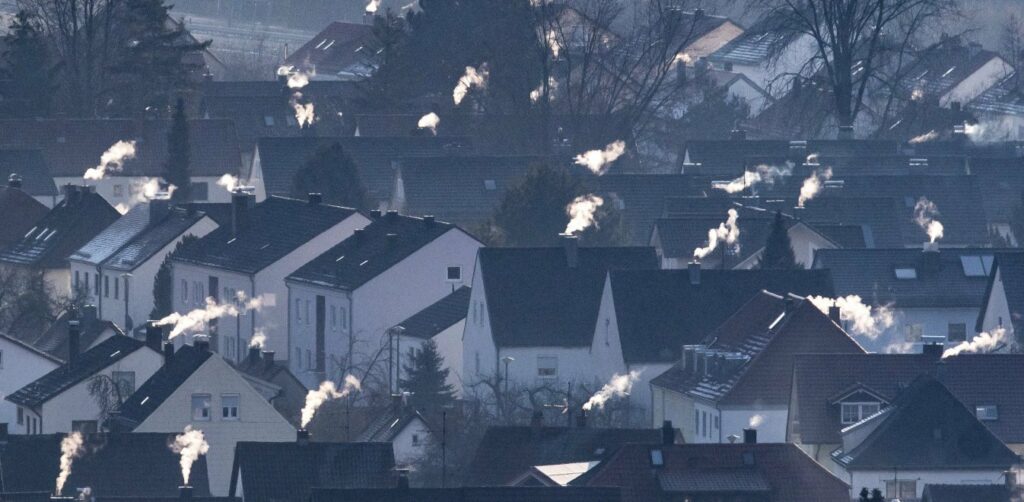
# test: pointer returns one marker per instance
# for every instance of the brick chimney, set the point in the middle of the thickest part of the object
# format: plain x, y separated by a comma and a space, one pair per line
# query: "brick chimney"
74, 342
242, 204
154, 336
749, 436
572, 250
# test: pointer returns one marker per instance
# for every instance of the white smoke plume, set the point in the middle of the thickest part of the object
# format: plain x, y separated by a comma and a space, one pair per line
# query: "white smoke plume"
148, 189
305, 113
867, 321
982, 342
190, 444
598, 161
755, 421
229, 182
924, 138
326, 392
538, 93
618, 386
71, 447
812, 185
371, 8
761, 174
553, 44
974, 131
727, 232
258, 340
112, 160
197, 319
812, 159
429, 121
472, 78
683, 58
917, 94
925, 212
122, 208
582, 212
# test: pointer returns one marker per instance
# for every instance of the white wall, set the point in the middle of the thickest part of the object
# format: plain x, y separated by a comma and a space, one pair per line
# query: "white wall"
449, 345
670, 405
978, 82
934, 321
122, 189
406, 450
771, 430
19, 367
479, 354
876, 479
998, 312
197, 276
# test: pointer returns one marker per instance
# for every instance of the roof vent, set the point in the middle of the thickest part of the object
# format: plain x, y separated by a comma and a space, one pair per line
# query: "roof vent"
14, 180
315, 198
428, 220
391, 215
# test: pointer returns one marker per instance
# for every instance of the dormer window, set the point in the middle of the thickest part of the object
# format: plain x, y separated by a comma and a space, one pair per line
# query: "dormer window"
857, 411
906, 273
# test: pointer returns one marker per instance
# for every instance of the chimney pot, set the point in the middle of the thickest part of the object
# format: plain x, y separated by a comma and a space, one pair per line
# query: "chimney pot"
254, 354
392, 240
168, 352
302, 436
932, 351
572, 250
315, 198
375, 213
268, 357
359, 235
694, 269
14, 180
581, 419
749, 436
154, 336
74, 342
201, 342
242, 203
158, 210
428, 220
834, 314
185, 492
391, 215
668, 434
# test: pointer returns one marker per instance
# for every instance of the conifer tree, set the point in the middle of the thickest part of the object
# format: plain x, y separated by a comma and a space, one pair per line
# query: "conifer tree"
332, 173
177, 170
778, 251
426, 378
28, 66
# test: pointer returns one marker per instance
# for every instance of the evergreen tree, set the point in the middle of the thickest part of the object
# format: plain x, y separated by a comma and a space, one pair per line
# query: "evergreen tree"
334, 174
177, 171
778, 251
163, 284
427, 378
28, 67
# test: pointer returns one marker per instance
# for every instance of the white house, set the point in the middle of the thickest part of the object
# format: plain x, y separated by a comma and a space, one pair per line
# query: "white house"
443, 322
766, 57
1003, 303
60, 401
116, 269
198, 388
20, 365
1000, 109
250, 259
342, 303
405, 428
954, 71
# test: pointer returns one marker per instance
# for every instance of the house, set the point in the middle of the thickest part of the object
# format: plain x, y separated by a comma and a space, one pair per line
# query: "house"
739, 378
71, 146
27, 171
345, 300
198, 388
537, 308
116, 270
707, 33
930, 292
1001, 109
251, 257
1003, 302
405, 429
1003, 180
646, 316
443, 322
640, 198
925, 436
766, 55
775, 472
63, 400
275, 382
953, 70
976, 493
115, 465
48, 245
507, 455
22, 209
834, 391
342, 50
54, 339
292, 470
471, 494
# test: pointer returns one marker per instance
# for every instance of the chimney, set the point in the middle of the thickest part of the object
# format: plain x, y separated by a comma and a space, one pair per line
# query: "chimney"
154, 335
536, 422
254, 355
242, 203
391, 215
268, 357
14, 181
668, 434
698, 13
694, 269
581, 419
834, 314
788, 304
1011, 482
375, 213
392, 240
185, 492
749, 436
932, 350
845, 132
930, 261
158, 209
302, 436
727, 66
87, 315
429, 220
955, 106
74, 342
403, 480
315, 198
572, 250
201, 342
360, 235
738, 134
4, 433
168, 352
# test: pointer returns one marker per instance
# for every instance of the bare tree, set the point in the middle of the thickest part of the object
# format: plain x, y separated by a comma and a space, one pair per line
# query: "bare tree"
27, 302
1012, 41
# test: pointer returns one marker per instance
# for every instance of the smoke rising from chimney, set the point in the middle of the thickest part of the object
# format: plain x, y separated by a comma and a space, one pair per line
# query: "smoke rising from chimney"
755, 421
982, 342
582, 212
429, 121
112, 160
71, 447
472, 78
812, 185
258, 340
190, 444
727, 232
924, 138
327, 391
763, 173
551, 38
618, 386
298, 79
143, 191
867, 321
197, 319
683, 58
229, 182
925, 212
371, 8
812, 159
538, 93
599, 160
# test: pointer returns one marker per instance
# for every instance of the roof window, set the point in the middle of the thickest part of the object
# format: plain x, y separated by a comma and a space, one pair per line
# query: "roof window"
906, 273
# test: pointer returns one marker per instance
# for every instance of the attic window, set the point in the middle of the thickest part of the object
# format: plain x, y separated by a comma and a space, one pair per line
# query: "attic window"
342, 257
328, 46
976, 266
50, 235
987, 412
490, 185
321, 44
906, 273
657, 458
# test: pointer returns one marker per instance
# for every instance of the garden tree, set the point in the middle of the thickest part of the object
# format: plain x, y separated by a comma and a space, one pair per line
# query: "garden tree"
27, 303
713, 116
778, 250
177, 169
426, 378
390, 84
28, 66
533, 212
163, 285
1012, 42
333, 173
109, 394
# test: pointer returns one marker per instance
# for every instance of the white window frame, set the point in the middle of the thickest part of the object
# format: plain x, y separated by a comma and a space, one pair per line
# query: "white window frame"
981, 411
860, 407
543, 370
224, 408
208, 407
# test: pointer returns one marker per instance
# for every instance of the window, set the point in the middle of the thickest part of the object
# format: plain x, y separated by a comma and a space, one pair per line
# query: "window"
297, 362
957, 332
657, 459
913, 332
415, 439
344, 317
855, 412
200, 191
86, 281
987, 412
309, 360
201, 407
901, 489
84, 426
490, 185
696, 422
77, 280
718, 424
547, 366
704, 423
21, 416
306, 313
976, 266
334, 318
184, 290
117, 289
906, 273
118, 190
125, 381
454, 274
298, 310
229, 406
106, 286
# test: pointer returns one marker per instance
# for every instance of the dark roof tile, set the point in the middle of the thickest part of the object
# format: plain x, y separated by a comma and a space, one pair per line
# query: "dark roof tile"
439, 316
52, 240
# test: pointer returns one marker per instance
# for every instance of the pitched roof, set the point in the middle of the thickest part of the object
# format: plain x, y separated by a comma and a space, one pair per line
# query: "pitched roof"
154, 238
151, 394
66, 376
439, 316
112, 466
31, 167
277, 227
940, 67
1010, 267
290, 471
472, 494
942, 279
338, 47
389, 424
21, 213
384, 243
959, 493
54, 339
507, 452
1006, 97
755, 45
925, 427
535, 298
1003, 179
976, 379
679, 236
69, 225
112, 238
697, 469
659, 311
641, 197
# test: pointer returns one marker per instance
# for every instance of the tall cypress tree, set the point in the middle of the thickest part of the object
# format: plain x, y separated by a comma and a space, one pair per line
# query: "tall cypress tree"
427, 378
333, 173
28, 66
163, 287
778, 251
177, 170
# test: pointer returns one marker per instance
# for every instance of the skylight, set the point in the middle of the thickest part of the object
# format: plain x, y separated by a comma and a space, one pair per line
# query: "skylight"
657, 459
906, 273
976, 265
490, 185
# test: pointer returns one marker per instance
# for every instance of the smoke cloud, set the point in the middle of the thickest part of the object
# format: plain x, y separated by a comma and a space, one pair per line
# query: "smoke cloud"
190, 444
867, 321
371, 8
472, 78
727, 232
618, 386
304, 112
761, 174
553, 44
812, 159
327, 391
538, 93
982, 342
112, 160
925, 212
258, 340
599, 160
429, 121
197, 319
582, 212
229, 182
70, 449
928, 136
755, 421
812, 185
683, 58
